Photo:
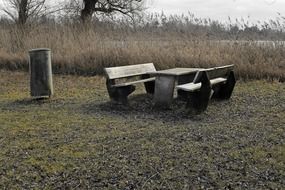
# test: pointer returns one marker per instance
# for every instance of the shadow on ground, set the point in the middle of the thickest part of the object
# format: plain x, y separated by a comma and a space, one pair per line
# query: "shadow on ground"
141, 106
31, 101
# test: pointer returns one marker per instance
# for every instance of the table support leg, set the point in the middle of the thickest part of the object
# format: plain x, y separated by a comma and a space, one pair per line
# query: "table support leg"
164, 89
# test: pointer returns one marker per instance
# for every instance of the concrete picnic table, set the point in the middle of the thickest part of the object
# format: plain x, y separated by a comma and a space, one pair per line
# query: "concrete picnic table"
166, 80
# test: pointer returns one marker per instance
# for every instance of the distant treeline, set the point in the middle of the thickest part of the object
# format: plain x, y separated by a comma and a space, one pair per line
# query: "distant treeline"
185, 25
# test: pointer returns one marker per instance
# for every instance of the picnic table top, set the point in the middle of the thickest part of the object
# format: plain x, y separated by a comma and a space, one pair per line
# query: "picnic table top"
175, 71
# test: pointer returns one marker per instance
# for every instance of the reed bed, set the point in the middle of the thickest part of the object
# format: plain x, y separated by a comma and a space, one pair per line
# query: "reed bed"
86, 50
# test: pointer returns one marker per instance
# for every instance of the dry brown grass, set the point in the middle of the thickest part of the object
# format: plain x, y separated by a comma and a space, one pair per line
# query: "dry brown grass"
87, 50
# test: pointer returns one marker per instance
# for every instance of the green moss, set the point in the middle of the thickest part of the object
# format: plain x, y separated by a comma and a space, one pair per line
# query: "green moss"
78, 139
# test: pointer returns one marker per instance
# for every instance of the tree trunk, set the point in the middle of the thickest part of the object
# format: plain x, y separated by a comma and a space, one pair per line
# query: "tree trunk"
23, 12
88, 10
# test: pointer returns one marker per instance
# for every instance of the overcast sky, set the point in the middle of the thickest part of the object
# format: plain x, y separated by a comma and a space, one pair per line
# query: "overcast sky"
220, 9
262, 10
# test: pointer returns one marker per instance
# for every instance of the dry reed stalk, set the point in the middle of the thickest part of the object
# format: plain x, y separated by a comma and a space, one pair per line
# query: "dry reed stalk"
88, 50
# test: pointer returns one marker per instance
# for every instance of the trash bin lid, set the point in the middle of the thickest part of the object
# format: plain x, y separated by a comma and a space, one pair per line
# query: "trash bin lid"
39, 49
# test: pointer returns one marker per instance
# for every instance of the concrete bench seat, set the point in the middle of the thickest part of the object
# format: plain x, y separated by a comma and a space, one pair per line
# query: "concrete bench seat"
191, 87
217, 82
134, 82
120, 80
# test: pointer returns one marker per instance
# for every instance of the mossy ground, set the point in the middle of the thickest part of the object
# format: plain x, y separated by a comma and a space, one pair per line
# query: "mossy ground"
78, 139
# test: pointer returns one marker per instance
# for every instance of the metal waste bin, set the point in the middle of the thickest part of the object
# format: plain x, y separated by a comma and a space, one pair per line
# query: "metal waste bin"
40, 73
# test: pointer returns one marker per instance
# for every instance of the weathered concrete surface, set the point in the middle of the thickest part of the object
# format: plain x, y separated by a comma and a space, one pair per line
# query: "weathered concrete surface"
40, 73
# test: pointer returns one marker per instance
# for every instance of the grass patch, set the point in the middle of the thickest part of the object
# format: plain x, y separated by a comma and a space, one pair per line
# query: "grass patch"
78, 139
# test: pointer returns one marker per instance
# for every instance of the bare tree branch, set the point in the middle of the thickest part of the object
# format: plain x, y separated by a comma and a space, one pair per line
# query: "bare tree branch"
126, 7
22, 10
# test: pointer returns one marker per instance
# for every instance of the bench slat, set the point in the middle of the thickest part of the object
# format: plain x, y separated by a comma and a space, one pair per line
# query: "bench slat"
191, 87
218, 80
134, 82
218, 71
129, 71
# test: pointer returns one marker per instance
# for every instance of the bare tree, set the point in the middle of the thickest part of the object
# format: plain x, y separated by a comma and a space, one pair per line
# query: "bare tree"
126, 7
22, 10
